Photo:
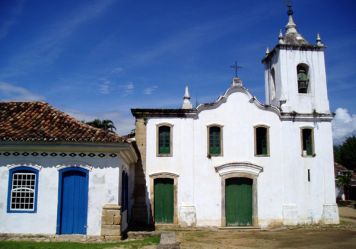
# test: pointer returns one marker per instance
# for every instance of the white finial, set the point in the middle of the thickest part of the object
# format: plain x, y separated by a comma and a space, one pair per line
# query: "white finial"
267, 51
186, 100
318, 41
291, 27
236, 81
280, 37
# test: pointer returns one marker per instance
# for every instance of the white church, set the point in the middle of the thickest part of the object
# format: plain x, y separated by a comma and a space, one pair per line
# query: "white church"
238, 162
234, 162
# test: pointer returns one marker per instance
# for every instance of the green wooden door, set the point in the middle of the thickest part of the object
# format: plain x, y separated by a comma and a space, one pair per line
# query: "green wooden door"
238, 202
163, 200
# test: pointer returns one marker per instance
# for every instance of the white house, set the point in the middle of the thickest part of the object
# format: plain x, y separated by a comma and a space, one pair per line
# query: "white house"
60, 176
238, 162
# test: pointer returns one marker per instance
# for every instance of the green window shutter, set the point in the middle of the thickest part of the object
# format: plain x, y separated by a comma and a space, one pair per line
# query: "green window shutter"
164, 140
214, 140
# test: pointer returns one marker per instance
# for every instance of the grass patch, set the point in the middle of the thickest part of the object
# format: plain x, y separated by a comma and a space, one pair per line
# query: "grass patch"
133, 244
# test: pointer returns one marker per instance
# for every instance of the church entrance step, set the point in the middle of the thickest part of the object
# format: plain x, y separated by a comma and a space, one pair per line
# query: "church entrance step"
240, 228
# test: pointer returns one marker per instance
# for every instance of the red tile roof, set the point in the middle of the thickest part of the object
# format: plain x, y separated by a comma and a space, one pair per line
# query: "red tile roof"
38, 121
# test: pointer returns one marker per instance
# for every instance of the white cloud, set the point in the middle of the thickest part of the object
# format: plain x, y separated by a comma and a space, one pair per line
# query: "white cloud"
117, 70
149, 90
44, 49
344, 125
81, 116
17, 93
123, 122
104, 87
127, 88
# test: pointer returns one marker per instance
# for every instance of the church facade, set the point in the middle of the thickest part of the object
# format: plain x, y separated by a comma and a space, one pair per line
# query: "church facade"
238, 162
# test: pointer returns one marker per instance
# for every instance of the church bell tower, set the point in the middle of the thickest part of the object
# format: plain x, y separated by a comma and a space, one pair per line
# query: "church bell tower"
295, 78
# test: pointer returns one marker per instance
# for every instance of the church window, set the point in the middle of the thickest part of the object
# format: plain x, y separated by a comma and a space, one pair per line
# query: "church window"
261, 141
303, 78
307, 142
22, 194
164, 140
215, 141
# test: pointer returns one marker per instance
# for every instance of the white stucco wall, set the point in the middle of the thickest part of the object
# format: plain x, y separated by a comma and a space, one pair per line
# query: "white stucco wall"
104, 185
284, 194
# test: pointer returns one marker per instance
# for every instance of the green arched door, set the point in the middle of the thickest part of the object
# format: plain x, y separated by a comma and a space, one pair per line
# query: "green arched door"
238, 201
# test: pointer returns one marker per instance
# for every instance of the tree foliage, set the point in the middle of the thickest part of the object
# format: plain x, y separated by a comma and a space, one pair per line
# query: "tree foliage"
105, 124
345, 153
344, 180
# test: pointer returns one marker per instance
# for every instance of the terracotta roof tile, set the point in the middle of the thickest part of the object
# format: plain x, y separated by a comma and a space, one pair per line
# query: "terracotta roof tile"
38, 121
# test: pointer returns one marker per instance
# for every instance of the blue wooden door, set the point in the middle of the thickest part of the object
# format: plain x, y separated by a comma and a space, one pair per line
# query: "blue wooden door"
73, 202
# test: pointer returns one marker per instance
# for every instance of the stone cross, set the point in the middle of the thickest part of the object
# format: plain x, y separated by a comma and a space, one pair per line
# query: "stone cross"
235, 67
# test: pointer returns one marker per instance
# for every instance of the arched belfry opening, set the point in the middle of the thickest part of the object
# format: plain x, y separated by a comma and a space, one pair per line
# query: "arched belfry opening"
303, 78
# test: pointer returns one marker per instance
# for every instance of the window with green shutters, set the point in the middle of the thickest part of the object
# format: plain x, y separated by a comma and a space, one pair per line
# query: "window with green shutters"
214, 140
307, 142
261, 143
164, 140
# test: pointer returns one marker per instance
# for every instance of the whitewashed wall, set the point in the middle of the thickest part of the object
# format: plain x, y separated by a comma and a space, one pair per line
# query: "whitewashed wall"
104, 185
284, 194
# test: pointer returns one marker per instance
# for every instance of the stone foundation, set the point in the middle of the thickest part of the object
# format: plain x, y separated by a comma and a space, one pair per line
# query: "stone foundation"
187, 216
290, 215
330, 214
111, 222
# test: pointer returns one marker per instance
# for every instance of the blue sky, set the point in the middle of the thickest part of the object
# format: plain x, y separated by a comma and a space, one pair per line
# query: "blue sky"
101, 58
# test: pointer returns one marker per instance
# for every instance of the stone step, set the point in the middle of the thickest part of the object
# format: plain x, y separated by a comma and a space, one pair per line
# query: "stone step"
249, 228
141, 234
168, 241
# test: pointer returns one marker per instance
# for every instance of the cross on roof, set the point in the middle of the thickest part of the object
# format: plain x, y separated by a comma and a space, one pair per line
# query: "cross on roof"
235, 67
289, 5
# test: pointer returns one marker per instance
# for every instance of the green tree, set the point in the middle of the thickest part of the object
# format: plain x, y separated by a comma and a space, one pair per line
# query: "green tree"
105, 124
344, 180
345, 154
337, 153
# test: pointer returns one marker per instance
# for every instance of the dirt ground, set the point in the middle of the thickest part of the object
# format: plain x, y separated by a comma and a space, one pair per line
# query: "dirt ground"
316, 237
